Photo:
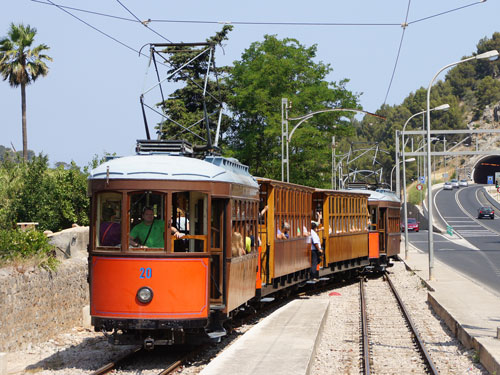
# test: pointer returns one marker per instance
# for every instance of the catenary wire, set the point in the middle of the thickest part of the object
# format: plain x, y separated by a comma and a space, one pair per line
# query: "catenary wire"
145, 23
95, 28
405, 24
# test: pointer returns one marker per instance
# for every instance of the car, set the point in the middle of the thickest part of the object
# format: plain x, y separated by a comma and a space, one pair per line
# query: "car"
454, 183
463, 183
413, 224
486, 211
447, 186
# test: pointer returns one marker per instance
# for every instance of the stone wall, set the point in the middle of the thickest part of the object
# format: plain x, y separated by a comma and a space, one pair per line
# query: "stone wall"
35, 303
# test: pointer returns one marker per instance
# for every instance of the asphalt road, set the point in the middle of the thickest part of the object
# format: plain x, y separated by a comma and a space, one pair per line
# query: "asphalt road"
474, 247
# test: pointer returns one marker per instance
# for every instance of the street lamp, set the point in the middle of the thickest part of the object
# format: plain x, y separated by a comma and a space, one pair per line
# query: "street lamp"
442, 107
288, 137
487, 55
397, 165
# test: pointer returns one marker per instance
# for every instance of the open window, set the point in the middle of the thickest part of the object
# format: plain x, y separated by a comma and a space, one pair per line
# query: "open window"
190, 218
244, 238
108, 221
147, 220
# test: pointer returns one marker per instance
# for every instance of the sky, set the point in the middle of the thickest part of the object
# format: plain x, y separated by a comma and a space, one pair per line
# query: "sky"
88, 104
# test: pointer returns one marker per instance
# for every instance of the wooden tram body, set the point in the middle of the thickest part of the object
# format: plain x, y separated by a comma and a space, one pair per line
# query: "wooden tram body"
229, 255
344, 234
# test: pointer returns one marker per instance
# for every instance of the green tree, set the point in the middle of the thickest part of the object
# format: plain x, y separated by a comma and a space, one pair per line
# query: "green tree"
185, 105
21, 65
268, 71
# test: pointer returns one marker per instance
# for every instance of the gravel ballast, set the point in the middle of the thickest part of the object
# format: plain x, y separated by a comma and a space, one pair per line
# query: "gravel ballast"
80, 351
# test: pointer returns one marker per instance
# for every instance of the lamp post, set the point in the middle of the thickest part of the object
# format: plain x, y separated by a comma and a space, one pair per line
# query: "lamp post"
288, 137
442, 107
397, 165
485, 55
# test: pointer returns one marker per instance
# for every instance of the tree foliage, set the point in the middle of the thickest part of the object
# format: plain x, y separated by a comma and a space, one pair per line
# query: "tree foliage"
32, 192
267, 72
185, 105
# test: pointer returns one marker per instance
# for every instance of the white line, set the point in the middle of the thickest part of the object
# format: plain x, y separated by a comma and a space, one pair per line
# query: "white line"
472, 217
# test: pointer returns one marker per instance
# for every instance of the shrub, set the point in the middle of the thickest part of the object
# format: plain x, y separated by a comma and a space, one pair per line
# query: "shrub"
31, 244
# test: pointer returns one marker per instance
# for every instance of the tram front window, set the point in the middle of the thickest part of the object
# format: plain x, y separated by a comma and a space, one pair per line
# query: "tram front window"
108, 220
190, 218
147, 220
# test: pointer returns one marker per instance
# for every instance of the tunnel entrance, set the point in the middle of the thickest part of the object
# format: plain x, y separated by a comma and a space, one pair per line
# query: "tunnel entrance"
485, 167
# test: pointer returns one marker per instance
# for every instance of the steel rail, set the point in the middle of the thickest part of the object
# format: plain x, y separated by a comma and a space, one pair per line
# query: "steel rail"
364, 329
418, 340
114, 364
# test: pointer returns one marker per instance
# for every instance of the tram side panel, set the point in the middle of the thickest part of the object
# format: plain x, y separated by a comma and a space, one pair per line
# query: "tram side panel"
291, 204
345, 225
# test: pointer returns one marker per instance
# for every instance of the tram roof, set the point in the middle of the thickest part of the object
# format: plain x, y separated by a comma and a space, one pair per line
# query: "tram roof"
174, 167
378, 195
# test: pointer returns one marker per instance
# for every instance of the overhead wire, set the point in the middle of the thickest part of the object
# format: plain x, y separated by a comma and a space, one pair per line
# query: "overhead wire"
146, 24
404, 26
95, 28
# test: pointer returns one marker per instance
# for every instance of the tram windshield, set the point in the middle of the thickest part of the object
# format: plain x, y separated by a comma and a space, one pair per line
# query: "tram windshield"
108, 223
189, 221
147, 220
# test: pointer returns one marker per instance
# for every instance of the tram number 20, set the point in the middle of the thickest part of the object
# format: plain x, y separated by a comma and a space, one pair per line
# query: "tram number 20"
146, 273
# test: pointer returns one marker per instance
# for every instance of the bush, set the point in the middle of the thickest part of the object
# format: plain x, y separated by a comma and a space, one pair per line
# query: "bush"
31, 244
55, 198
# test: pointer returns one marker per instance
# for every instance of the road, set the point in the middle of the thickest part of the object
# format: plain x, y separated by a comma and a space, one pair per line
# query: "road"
474, 247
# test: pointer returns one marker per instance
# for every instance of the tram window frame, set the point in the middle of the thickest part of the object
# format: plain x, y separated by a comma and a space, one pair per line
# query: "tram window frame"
244, 224
109, 208
195, 239
135, 212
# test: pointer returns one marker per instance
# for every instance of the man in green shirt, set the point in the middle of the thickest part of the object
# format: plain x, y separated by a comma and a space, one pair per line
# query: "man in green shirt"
149, 232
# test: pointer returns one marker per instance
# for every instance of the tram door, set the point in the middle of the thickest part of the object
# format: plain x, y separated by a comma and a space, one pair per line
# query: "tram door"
217, 226
381, 227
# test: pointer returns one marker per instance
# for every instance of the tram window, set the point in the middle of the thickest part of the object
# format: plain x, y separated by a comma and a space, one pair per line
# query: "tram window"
190, 217
108, 220
244, 237
147, 219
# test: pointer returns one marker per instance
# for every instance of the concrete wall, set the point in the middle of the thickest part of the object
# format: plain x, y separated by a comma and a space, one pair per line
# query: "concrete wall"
35, 303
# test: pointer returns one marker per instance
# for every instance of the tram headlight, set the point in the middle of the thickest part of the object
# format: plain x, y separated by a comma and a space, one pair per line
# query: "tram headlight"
145, 294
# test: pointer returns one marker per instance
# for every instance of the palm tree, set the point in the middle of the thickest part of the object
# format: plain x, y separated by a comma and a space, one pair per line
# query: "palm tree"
21, 65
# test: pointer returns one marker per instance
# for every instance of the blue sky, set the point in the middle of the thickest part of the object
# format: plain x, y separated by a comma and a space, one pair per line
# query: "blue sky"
89, 102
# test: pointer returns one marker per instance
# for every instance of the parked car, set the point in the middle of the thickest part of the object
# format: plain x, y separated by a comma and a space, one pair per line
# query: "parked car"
463, 183
447, 186
486, 211
454, 183
413, 224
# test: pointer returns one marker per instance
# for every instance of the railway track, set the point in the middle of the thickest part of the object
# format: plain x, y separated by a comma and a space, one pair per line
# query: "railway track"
384, 321
135, 355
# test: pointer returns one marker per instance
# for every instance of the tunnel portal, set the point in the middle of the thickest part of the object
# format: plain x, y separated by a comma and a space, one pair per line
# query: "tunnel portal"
487, 166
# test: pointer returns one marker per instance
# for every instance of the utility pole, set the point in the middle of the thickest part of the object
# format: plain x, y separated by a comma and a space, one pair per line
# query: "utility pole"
334, 171
284, 135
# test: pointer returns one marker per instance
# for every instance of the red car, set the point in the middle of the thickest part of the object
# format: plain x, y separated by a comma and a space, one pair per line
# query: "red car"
413, 224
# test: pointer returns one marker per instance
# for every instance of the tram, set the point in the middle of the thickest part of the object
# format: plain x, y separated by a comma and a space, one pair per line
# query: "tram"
216, 245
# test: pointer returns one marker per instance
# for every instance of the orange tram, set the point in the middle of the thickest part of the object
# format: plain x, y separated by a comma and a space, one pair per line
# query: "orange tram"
216, 248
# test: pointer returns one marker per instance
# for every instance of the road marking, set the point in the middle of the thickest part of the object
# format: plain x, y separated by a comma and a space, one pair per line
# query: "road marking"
472, 217
467, 225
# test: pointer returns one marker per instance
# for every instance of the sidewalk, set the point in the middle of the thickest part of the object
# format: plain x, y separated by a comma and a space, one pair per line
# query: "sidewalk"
470, 311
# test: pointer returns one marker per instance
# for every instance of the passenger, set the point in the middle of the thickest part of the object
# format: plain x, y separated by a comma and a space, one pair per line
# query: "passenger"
150, 231
262, 218
237, 248
248, 244
316, 251
284, 235
110, 229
